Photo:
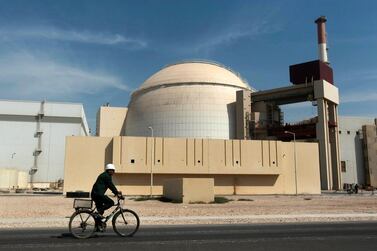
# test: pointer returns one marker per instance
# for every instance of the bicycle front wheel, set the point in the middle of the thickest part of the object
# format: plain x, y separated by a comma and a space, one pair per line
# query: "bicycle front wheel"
126, 223
82, 224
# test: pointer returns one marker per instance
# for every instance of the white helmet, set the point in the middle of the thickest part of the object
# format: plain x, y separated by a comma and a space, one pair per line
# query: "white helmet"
110, 167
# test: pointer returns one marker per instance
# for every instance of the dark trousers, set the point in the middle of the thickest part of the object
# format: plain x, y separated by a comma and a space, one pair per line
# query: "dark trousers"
103, 202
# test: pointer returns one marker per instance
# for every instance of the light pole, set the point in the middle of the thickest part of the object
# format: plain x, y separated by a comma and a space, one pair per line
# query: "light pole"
11, 160
151, 188
294, 149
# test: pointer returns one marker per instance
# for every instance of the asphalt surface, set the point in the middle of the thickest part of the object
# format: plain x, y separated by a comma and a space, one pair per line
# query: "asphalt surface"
318, 236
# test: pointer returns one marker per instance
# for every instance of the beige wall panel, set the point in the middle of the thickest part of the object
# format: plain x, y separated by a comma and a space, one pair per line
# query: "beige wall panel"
236, 152
216, 154
190, 150
189, 190
174, 154
228, 153
117, 152
132, 184
308, 177
224, 184
205, 162
136, 154
307, 169
251, 154
111, 121
158, 159
273, 153
85, 158
265, 153
287, 164
198, 190
262, 184
198, 146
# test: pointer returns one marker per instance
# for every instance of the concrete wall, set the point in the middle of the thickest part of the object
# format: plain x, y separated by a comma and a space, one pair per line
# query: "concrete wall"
111, 121
351, 148
370, 153
188, 190
85, 159
237, 166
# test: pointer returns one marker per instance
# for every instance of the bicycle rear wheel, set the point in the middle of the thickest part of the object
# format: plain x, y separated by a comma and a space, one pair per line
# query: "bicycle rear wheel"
126, 223
82, 224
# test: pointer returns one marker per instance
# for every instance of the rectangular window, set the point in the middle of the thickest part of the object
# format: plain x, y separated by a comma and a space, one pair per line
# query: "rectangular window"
343, 166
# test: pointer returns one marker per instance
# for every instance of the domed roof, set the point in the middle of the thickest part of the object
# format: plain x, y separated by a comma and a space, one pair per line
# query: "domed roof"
195, 72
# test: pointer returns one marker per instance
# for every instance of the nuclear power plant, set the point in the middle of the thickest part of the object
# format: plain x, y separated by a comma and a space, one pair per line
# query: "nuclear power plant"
199, 122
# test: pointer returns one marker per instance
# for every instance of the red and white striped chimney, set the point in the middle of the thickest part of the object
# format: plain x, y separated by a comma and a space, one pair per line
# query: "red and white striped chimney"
322, 46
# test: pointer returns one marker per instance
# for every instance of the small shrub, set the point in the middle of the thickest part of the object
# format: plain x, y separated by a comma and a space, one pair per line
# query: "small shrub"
221, 200
159, 198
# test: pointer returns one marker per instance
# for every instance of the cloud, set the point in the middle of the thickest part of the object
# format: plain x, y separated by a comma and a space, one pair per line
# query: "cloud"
365, 91
237, 32
243, 25
23, 75
358, 97
52, 33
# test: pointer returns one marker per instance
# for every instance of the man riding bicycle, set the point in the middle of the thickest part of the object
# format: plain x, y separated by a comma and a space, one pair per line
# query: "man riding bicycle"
104, 182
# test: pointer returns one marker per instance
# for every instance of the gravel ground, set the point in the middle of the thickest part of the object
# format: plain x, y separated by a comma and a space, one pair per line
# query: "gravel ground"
21, 211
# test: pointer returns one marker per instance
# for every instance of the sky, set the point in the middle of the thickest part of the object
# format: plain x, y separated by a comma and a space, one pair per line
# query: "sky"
97, 52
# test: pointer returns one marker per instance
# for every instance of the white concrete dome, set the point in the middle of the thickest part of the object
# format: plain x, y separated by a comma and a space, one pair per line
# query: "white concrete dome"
190, 99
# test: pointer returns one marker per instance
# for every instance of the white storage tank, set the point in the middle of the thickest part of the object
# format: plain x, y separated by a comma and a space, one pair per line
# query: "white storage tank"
23, 178
11, 178
192, 99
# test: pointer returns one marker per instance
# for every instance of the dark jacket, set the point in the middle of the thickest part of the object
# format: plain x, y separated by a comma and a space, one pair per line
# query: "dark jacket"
104, 182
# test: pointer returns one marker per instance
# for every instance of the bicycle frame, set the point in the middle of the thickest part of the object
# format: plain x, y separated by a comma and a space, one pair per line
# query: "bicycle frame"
117, 208
108, 217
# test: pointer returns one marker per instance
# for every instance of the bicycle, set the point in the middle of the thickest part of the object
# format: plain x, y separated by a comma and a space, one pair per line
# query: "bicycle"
85, 221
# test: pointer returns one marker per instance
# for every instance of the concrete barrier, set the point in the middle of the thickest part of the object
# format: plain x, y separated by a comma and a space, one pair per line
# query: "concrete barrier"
189, 190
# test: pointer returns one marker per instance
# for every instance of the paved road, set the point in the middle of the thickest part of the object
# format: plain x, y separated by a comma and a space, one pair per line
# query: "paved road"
325, 236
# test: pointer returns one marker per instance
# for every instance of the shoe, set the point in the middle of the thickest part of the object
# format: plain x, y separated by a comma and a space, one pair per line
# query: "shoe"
98, 216
101, 227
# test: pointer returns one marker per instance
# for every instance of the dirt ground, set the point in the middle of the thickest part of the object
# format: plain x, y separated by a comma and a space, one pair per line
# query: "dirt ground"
21, 211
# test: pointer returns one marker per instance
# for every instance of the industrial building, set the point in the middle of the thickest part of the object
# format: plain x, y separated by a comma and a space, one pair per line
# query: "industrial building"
32, 141
357, 137
181, 122
199, 119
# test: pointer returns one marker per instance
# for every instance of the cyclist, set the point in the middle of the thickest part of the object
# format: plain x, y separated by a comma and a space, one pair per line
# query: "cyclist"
104, 182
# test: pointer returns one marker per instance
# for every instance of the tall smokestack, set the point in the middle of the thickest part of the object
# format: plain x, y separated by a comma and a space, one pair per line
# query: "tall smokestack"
322, 46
